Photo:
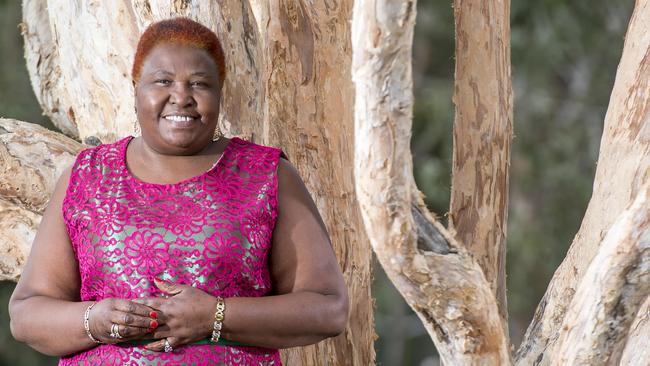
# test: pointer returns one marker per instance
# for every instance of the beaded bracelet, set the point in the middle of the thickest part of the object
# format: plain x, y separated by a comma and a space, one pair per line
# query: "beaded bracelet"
87, 324
218, 320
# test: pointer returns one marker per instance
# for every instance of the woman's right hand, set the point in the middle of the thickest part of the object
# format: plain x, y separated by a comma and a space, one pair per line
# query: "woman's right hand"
135, 321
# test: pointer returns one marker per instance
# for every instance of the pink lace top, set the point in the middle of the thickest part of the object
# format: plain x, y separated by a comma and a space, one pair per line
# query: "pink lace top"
212, 231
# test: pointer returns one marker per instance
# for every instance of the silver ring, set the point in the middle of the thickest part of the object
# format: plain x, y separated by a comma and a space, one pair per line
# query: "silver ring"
115, 332
168, 347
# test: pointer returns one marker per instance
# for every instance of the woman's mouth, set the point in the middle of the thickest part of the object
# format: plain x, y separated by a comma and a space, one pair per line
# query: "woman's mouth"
180, 120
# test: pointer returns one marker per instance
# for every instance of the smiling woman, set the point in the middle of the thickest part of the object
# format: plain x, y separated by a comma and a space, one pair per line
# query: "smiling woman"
177, 99
177, 104
180, 246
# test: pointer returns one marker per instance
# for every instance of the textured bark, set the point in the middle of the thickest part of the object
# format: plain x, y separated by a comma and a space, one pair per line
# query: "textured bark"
613, 288
482, 135
287, 85
637, 349
625, 155
307, 109
17, 230
42, 59
31, 159
438, 278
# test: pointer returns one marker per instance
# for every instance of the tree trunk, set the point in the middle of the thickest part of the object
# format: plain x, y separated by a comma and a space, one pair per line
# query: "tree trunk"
623, 169
285, 86
482, 135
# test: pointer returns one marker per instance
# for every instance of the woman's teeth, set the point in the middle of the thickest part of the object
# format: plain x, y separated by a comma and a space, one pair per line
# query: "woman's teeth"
179, 118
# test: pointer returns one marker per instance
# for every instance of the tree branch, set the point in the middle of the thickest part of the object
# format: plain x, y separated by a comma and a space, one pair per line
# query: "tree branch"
32, 158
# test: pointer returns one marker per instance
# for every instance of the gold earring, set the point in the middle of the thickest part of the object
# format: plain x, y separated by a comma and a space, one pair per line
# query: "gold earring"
217, 133
136, 125
136, 128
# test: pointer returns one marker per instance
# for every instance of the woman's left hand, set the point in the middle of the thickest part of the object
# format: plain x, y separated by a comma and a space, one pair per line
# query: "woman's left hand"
188, 312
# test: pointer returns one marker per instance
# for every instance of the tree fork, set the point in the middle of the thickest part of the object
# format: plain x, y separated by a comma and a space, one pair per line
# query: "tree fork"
439, 278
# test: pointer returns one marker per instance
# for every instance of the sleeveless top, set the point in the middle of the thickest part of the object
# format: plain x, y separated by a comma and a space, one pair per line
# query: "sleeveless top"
212, 231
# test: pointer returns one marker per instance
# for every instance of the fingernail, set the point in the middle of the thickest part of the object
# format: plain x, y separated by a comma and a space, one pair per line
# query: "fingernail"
153, 324
153, 315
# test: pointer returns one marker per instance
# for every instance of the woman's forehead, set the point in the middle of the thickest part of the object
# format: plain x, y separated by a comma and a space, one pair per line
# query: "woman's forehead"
173, 58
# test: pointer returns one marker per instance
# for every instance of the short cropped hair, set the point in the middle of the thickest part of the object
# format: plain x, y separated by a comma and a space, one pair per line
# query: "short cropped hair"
181, 31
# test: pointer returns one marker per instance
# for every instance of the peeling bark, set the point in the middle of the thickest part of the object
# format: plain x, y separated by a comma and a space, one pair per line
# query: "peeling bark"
625, 155
42, 59
613, 288
17, 231
32, 159
438, 278
637, 349
482, 136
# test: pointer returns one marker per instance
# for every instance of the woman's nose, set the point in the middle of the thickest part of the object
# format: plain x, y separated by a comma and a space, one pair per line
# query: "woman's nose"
181, 94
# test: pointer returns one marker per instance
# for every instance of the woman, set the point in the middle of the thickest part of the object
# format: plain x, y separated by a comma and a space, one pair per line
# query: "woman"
174, 247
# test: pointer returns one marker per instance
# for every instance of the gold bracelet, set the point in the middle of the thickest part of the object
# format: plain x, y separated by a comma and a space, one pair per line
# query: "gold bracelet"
87, 324
218, 320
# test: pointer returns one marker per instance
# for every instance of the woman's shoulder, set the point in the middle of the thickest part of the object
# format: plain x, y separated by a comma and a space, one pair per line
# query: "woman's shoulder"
248, 147
96, 155
105, 147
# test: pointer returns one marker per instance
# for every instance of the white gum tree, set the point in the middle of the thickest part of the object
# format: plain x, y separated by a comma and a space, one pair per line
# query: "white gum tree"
340, 104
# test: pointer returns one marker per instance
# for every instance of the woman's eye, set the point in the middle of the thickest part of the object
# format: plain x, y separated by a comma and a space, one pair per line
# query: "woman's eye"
163, 81
199, 84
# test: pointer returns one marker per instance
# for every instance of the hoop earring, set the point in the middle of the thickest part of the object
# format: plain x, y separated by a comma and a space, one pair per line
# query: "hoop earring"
217, 133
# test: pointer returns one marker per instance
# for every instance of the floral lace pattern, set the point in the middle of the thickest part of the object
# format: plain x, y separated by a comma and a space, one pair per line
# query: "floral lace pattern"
212, 231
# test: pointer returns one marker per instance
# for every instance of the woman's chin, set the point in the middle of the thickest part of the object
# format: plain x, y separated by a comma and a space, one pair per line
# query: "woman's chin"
181, 141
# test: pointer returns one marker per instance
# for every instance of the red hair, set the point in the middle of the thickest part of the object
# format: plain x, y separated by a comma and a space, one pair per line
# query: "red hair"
182, 31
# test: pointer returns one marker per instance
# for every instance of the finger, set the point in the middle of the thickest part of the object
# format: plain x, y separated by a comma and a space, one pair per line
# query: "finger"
133, 307
162, 331
133, 320
157, 346
154, 303
168, 287
127, 332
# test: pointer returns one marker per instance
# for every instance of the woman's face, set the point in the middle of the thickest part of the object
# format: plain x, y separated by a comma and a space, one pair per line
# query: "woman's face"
177, 99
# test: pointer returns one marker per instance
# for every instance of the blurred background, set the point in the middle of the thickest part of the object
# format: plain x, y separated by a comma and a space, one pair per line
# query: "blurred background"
564, 59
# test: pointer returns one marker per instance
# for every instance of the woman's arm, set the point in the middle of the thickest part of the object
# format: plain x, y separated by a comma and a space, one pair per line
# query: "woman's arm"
310, 301
45, 310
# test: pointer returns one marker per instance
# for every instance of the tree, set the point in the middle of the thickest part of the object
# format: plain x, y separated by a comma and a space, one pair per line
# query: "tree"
453, 278
452, 284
